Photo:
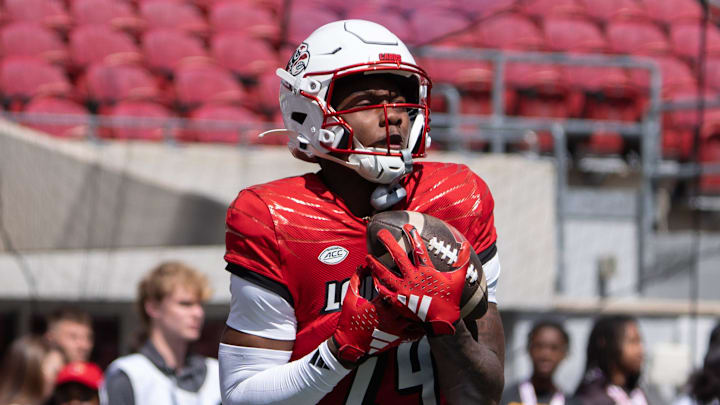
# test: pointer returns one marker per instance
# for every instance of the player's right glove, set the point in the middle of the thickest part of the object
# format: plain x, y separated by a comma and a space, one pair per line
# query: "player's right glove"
368, 327
424, 293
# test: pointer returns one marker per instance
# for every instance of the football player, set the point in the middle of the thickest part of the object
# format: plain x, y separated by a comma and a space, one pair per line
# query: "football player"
300, 330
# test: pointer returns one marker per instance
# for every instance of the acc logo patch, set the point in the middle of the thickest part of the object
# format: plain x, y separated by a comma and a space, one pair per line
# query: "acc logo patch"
299, 60
333, 255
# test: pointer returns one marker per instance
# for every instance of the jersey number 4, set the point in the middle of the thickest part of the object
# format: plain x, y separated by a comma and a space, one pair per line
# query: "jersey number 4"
415, 374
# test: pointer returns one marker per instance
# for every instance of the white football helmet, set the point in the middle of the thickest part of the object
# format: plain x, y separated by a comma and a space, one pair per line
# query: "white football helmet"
316, 130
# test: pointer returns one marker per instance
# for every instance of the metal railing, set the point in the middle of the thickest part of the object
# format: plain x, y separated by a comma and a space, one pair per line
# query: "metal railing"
498, 123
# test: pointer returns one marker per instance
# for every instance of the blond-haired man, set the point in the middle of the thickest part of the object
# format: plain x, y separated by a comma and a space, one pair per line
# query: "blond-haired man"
71, 330
170, 300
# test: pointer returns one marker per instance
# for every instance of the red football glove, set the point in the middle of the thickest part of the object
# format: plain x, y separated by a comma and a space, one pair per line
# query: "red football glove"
369, 327
426, 294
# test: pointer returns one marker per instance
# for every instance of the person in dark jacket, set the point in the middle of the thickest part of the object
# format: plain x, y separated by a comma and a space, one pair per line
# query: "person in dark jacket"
615, 356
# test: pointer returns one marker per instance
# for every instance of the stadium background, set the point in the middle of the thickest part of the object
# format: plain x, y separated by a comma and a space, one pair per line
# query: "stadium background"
130, 125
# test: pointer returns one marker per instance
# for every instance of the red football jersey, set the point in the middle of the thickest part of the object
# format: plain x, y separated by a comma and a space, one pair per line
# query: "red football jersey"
297, 238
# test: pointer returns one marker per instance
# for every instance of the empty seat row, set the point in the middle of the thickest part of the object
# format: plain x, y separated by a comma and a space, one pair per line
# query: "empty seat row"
145, 120
97, 43
225, 15
107, 83
514, 31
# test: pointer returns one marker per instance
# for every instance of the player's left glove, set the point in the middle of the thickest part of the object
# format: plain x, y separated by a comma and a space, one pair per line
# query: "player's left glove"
369, 326
424, 293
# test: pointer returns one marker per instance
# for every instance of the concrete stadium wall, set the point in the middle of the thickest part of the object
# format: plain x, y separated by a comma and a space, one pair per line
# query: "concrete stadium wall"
67, 195
75, 200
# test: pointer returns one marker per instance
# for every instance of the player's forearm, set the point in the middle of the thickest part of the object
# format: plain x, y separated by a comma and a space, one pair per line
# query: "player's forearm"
303, 381
469, 370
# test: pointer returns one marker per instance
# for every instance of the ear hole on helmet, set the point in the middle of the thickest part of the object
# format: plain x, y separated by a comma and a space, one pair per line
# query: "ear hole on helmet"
344, 140
298, 117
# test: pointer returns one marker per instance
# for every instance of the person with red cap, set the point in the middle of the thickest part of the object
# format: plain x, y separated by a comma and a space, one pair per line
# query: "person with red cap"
78, 383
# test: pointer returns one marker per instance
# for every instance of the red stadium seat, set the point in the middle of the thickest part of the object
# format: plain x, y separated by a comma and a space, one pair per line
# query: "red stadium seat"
276, 6
174, 15
543, 77
712, 73
46, 12
142, 120
637, 38
541, 92
465, 74
672, 11
433, 26
166, 49
685, 40
619, 106
100, 43
617, 100
303, 21
605, 11
392, 20
541, 9
234, 16
24, 78
222, 123
479, 9
263, 92
597, 79
710, 153
59, 107
568, 34
676, 76
231, 50
509, 31
472, 78
106, 83
115, 13
218, 85
334, 6
679, 125
408, 7
32, 40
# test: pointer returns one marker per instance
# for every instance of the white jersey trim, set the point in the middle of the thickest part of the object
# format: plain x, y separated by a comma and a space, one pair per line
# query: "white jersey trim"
259, 311
492, 269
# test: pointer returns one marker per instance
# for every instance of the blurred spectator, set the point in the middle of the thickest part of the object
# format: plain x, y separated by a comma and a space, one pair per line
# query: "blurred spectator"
27, 376
170, 302
615, 356
78, 383
714, 337
547, 346
71, 330
704, 385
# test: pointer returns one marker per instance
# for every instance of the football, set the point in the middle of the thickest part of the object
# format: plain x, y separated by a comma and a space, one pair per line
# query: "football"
443, 243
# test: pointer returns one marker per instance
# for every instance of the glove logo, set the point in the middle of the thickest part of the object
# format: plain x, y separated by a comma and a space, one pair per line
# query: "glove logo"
333, 255
412, 303
381, 340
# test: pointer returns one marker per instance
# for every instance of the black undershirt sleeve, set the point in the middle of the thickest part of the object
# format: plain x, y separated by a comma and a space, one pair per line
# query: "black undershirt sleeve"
262, 281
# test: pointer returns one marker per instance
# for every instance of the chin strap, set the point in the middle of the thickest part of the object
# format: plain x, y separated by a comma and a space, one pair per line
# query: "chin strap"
387, 195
